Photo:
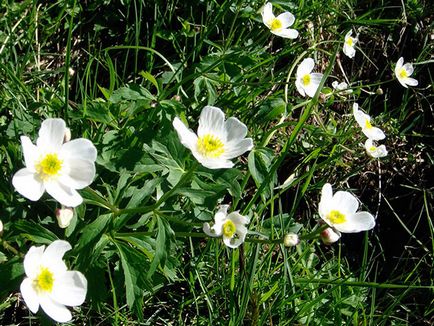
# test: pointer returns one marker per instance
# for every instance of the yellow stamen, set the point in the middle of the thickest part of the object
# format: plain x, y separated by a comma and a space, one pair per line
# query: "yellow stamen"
210, 146
368, 124
372, 149
336, 217
305, 80
275, 24
349, 41
44, 281
49, 166
229, 229
402, 73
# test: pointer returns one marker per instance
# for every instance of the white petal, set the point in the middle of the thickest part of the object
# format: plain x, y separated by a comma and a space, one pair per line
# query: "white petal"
349, 51
221, 214
28, 184
329, 236
286, 33
312, 87
213, 163
361, 221
408, 68
212, 120
399, 64
211, 231
287, 19
56, 250
32, 261
80, 148
235, 129
30, 153
299, 87
402, 81
51, 134
80, 173
236, 241
233, 149
55, 310
29, 294
411, 81
238, 219
63, 194
187, 137
345, 202
374, 133
267, 14
360, 116
349, 33
305, 67
326, 200
70, 289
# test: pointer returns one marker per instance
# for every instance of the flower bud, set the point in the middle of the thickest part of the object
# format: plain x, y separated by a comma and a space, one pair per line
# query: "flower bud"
1, 227
329, 236
291, 240
64, 216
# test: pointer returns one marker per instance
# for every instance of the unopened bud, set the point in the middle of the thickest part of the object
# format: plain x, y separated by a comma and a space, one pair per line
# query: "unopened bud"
1, 227
67, 135
291, 240
329, 236
64, 216
379, 91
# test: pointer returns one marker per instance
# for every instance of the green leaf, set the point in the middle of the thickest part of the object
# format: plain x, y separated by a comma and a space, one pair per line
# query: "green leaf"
35, 232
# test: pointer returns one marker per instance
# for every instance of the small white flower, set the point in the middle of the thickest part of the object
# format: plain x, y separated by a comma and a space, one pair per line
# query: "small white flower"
329, 236
349, 44
54, 166
403, 73
364, 122
279, 25
231, 226
373, 150
49, 283
307, 82
339, 211
291, 240
217, 141
64, 216
341, 88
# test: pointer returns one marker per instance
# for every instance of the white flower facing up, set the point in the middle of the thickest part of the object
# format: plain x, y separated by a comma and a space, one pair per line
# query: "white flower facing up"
54, 166
364, 122
403, 73
279, 25
217, 141
375, 151
349, 44
306, 81
329, 236
339, 211
230, 226
49, 284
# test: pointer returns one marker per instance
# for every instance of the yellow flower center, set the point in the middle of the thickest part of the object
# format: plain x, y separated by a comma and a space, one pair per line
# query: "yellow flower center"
49, 166
368, 124
45, 280
210, 146
402, 73
275, 24
229, 229
372, 149
336, 217
305, 80
350, 41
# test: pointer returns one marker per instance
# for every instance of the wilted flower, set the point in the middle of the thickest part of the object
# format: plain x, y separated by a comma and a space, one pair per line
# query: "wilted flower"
329, 236
364, 122
231, 226
349, 44
279, 25
217, 141
403, 73
373, 150
50, 284
307, 82
54, 166
64, 216
291, 240
339, 211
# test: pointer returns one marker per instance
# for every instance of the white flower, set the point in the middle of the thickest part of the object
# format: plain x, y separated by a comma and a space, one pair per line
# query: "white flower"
373, 150
50, 284
291, 240
279, 25
54, 166
217, 141
341, 88
64, 216
339, 211
1, 226
231, 226
403, 73
307, 82
364, 122
329, 236
349, 44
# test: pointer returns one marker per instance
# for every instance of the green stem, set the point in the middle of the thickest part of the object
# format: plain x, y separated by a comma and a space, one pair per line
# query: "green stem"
8, 247
362, 284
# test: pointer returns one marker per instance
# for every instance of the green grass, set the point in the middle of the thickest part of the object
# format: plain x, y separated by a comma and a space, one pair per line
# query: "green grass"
138, 237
